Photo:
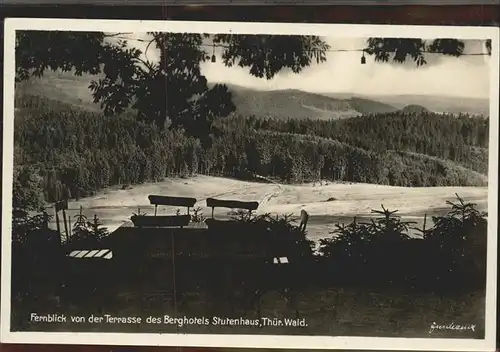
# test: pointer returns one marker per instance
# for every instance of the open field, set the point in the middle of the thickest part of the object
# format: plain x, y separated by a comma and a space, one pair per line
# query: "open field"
326, 204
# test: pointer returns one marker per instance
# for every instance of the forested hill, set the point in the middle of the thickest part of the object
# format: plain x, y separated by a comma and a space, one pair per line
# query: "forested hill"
281, 104
459, 139
297, 104
75, 153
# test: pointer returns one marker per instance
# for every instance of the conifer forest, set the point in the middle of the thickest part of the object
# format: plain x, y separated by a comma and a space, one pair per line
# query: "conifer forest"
160, 123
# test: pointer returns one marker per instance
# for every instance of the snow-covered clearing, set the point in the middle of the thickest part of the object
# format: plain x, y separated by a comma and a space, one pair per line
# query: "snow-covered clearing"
326, 203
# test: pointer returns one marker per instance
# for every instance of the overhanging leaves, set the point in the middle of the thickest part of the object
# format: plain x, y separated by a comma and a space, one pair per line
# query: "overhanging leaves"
400, 50
267, 55
37, 51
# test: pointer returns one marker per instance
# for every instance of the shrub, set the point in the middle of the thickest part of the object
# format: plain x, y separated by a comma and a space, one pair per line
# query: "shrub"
36, 254
85, 233
458, 243
382, 252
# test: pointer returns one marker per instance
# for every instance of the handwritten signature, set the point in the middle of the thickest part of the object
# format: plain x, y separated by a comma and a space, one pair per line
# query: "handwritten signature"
452, 327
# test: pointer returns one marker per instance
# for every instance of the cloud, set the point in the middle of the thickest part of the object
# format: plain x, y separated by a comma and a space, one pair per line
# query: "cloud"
467, 76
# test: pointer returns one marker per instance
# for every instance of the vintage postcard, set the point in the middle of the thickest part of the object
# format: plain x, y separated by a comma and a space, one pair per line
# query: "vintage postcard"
267, 185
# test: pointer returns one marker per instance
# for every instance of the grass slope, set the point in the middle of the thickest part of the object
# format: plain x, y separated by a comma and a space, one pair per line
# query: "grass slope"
289, 103
71, 89
294, 103
64, 87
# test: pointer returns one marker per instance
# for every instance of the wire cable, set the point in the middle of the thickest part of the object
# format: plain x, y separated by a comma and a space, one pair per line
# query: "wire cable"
365, 50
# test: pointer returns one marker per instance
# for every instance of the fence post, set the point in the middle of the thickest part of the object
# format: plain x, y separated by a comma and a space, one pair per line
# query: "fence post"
96, 227
65, 224
45, 220
69, 225
58, 226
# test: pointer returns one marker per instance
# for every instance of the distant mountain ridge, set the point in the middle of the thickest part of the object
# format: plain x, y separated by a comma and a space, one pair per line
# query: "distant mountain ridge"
298, 104
443, 104
294, 103
290, 103
368, 106
282, 104
414, 109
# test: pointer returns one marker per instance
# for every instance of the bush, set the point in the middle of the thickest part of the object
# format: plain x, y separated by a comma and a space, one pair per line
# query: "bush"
376, 254
36, 254
451, 255
86, 234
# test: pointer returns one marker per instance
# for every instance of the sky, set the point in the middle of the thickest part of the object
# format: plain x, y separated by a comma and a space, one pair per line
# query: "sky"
467, 76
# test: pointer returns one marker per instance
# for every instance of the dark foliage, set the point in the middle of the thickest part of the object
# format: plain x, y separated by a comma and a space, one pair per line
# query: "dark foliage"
85, 233
266, 55
40, 268
460, 139
451, 256
401, 50
380, 254
37, 51
126, 79
197, 216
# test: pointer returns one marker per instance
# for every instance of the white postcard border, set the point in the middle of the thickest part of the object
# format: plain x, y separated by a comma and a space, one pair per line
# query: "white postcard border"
246, 341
